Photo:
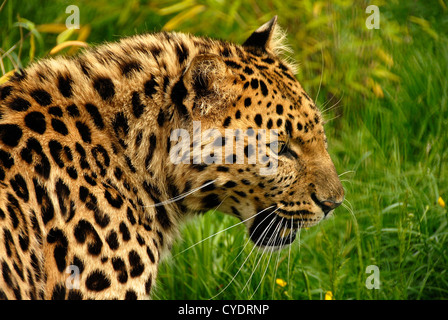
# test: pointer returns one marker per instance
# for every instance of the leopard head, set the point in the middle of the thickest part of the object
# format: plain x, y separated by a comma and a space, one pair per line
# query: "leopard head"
263, 153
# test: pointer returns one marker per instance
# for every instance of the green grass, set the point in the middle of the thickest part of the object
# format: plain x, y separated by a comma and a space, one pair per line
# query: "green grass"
387, 91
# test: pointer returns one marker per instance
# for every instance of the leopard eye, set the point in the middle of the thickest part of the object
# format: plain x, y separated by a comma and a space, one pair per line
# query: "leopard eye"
283, 150
278, 147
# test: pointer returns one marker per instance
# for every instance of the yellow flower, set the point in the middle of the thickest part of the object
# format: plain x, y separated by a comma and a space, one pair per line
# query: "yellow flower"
280, 282
329, 295
441, 202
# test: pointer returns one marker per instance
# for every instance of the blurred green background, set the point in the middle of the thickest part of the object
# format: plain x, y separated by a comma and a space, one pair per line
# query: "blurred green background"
384, 95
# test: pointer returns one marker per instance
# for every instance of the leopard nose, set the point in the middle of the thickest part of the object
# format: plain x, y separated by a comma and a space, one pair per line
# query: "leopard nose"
326, 205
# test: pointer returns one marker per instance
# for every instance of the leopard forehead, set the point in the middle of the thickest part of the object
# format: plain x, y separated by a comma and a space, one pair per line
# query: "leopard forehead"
272, 98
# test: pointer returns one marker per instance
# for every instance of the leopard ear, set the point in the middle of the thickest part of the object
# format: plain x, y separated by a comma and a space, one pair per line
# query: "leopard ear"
210, 79
261, 38
203, 72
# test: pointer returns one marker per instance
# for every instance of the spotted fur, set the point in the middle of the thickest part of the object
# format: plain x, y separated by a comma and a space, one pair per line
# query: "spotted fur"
84, 172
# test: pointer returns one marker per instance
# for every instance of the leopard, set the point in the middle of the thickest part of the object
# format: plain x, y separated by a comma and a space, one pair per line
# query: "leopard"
90, 199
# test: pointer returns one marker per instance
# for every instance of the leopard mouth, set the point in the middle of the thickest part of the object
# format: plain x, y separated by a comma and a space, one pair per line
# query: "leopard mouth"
270, 229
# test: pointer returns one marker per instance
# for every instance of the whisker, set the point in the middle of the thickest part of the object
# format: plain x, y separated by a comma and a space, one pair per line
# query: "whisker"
271, 246
327, 102
271, 224
333, 106
181, 196
240, 268
236, 224
277, 263
263, 252
328, 120
267, 264
242, 250
216, 209
249, 240
263, 233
